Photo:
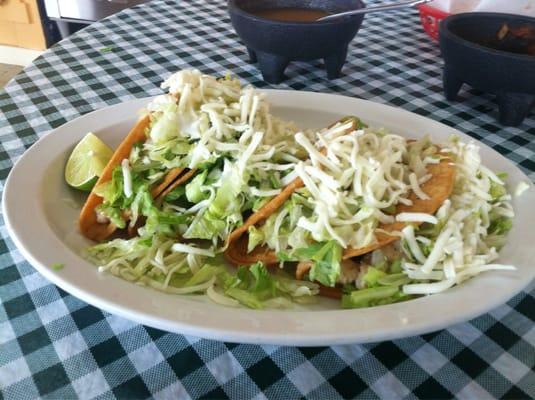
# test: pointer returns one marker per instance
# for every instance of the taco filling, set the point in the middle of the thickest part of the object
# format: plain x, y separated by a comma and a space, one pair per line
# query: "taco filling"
210, 175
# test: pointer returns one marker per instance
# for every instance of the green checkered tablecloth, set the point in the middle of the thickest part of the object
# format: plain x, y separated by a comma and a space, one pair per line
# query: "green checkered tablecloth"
53, 345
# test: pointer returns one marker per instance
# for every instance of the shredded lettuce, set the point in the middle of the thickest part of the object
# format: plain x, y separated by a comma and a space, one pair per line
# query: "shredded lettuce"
255, 287
497, 190
204, 274
326, 257
113, 214
375, 296
165, 125
285, 234
174, 272
256, 237
205, 226
162, 222
175, 194
232, 184
194, 192
274, 179
224, 212
395, 266
112, 190
500, 226
398, 279
372, 277
379, 287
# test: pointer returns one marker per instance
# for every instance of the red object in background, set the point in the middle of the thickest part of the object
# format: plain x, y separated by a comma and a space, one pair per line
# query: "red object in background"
431, 18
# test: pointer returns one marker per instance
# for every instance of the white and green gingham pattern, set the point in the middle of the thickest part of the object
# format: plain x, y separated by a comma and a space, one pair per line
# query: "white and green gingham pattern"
53, 345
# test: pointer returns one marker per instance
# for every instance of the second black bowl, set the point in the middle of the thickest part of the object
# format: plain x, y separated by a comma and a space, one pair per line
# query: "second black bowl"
494, 53
274, 44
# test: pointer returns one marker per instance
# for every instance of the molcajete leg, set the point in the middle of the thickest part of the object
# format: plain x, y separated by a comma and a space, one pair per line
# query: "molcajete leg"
252, 55
334, 62
451, 83
514, 107
272, 66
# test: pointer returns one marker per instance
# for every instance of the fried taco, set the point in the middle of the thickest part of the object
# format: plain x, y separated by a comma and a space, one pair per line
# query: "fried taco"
97, 226
193, 165
348, 201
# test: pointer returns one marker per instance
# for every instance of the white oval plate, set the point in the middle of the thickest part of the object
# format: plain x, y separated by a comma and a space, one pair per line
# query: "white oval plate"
41, 214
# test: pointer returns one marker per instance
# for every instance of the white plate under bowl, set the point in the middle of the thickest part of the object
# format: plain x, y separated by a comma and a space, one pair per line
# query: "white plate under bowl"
41, 212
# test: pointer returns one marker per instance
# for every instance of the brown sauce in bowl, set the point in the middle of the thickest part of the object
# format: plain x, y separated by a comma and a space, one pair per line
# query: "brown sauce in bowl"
518, 39
290, 14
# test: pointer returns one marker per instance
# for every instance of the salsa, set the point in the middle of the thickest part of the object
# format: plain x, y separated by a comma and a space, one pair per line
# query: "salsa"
290, 14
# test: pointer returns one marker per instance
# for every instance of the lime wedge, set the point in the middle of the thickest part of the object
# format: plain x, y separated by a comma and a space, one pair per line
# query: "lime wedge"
86, 162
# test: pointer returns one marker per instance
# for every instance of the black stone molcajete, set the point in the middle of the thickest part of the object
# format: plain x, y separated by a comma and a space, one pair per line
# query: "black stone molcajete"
472, 55
274, 44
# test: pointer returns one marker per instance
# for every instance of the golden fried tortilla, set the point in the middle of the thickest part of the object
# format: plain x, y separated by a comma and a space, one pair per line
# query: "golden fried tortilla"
169, 178
89, 226
179, 177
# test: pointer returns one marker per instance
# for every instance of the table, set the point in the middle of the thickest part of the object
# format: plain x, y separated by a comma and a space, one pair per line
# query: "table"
54, 345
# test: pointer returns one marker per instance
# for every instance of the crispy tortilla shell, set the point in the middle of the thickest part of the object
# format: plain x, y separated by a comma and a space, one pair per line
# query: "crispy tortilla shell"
89, 226
176, 181
168, 180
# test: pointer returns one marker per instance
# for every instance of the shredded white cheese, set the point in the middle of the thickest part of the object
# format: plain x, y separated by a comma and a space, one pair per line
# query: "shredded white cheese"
416, 217
264, 193
348, 170
184, 248
416, 188
521, 187
227, 119
408, 234
127, 178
